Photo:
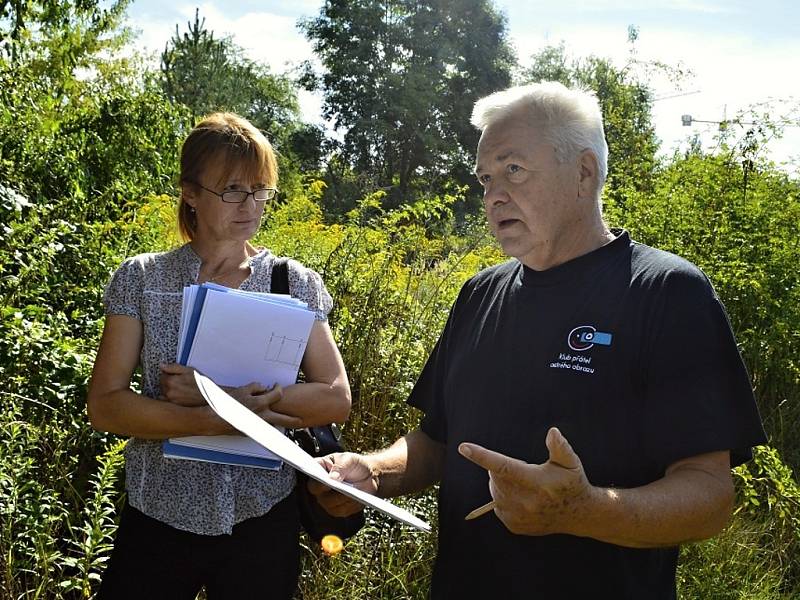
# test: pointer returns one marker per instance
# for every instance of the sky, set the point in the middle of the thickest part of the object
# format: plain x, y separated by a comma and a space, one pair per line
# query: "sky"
740, 53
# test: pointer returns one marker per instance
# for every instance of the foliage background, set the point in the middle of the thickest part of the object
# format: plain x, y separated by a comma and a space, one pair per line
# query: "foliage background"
88, 155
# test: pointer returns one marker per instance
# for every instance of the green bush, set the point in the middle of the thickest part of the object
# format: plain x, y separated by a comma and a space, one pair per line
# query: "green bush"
87, 172
739, 226
757, 556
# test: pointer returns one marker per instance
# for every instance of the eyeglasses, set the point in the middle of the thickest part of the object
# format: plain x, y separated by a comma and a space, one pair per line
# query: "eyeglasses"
239, 196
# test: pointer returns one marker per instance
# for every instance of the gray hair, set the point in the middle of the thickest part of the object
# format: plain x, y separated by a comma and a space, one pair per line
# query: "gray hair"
570, 118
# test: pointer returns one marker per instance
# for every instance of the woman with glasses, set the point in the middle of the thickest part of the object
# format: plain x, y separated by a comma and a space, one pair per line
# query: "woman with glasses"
189, 524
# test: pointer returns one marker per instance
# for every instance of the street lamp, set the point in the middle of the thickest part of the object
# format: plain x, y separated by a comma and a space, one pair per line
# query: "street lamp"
688, 120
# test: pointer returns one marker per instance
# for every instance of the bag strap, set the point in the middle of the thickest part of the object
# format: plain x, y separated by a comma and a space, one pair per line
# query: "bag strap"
280, 276
280, 284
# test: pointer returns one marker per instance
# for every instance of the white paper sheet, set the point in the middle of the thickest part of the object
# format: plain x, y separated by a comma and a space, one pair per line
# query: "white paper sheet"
242, 339
265, 434
281, 299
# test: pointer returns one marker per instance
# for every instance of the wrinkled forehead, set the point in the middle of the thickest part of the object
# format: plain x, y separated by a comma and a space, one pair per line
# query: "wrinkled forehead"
513, 136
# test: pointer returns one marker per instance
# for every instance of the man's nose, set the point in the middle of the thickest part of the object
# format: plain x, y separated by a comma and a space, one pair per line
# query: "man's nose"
494, 195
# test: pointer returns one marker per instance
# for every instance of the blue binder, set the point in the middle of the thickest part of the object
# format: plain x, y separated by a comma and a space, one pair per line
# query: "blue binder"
179, 451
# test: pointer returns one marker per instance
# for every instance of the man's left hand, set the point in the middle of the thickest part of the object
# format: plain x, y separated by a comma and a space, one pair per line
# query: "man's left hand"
533, 499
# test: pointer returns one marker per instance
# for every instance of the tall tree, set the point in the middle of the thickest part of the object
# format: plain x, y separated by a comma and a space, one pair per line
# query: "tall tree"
58, 69
55, 38
208, 74
400, 80
196, 69
53, 20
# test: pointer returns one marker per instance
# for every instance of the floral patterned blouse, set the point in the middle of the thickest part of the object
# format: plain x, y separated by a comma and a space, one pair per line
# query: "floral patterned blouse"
199, 497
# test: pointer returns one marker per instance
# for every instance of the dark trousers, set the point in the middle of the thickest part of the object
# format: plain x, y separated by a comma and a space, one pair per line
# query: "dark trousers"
259, 560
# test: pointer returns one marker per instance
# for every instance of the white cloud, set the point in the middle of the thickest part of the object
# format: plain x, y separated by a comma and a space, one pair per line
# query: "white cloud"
671, 5
628, 6
311, 107
271, 39
152, 36
731, 73
265, 36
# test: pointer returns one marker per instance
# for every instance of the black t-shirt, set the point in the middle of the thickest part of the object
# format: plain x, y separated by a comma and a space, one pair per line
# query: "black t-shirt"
629, 352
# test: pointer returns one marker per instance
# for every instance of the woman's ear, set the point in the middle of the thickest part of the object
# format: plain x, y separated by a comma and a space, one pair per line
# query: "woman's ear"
188, 195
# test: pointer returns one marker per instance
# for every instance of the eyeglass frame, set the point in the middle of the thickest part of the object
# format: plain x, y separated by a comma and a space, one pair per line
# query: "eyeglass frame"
246, 194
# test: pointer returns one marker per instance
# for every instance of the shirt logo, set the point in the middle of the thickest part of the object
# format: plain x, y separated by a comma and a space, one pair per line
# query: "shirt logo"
584, 337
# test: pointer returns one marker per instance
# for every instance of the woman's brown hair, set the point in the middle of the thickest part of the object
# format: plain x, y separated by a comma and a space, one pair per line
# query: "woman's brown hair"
231, 143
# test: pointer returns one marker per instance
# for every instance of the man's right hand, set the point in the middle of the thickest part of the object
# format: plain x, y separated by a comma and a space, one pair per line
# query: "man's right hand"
350, 468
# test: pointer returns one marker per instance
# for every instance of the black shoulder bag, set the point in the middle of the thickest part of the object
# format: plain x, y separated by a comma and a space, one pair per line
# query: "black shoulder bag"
316, 441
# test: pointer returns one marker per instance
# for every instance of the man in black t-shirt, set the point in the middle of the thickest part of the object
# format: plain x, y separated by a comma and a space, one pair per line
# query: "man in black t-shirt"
588, 393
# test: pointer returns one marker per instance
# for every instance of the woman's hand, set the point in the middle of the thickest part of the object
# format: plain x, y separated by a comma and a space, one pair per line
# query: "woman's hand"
179, 387
260, 399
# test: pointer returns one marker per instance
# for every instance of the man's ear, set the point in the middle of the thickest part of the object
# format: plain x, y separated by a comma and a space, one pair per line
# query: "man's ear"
588, 176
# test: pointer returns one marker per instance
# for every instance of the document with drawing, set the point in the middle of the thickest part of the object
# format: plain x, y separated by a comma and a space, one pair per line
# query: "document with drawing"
236, 338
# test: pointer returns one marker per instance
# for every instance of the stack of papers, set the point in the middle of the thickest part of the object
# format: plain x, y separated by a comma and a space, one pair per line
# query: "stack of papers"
235, 338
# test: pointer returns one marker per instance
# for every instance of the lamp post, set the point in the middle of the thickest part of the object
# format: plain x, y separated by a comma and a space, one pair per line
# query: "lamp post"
688, 120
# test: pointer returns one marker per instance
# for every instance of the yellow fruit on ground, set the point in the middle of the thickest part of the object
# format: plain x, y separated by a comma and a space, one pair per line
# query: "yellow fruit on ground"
332, 545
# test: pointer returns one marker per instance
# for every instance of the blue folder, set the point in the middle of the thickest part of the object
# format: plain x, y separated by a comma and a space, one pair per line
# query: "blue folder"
225, 458
194, 318
182, 451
